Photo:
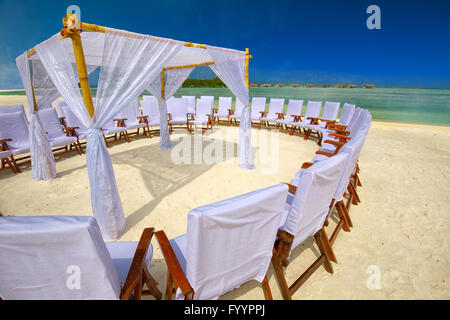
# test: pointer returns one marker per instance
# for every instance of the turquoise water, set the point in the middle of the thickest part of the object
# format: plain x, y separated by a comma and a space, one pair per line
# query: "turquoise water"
427, 106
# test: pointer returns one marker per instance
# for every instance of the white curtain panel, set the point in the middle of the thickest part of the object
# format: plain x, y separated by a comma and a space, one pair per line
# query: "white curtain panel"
43, 164
173, 79
129, 63
229, 66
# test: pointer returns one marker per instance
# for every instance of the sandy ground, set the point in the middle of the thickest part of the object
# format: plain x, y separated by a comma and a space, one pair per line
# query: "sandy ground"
401, 227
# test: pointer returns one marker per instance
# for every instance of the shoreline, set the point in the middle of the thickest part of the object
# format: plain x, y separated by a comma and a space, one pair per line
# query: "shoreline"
15, 99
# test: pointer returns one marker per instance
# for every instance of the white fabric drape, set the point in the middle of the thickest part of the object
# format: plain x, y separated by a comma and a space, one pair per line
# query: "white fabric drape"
229, 66
43, 164
173, 79
129, 63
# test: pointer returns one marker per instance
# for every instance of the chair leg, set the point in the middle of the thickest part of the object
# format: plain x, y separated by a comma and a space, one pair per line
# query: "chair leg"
15, 164
345, 213
11, 166
284, 288
266, 289
169, 287
319, 236
151, 284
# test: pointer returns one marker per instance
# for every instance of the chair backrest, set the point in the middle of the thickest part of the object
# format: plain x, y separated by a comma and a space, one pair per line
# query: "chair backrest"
346, 114
224, 105
313, 109
130, 111
353, 150
50, 123
55, 257
355, 125
13, 126
330, 110
258, 105
310, 205
190, 100
238, 107
355, 117
208, 97
177, 107
230, 242
204, 107
294, 107
69, 117
14, 108
276, 105
150, 108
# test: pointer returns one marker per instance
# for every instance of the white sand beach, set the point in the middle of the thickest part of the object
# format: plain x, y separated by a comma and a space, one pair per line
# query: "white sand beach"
402, 225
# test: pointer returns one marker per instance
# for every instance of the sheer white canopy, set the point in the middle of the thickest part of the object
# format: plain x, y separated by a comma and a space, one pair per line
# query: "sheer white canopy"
129, 63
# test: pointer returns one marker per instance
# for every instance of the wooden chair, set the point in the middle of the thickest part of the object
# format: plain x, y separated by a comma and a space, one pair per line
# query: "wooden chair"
227, 244
311, 117
150, 112
308, 206
130, 118
236, 113
276, 107
223, 110
293, 114
7, 158
203, 116
329, 115
61, 142
14, 133
68, 259
177, 112
258, 109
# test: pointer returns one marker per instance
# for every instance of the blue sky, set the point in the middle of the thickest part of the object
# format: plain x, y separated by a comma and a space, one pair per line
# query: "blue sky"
322, 41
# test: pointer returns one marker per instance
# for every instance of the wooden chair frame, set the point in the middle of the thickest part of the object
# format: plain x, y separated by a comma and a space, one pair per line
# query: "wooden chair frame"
138, 274
281, 252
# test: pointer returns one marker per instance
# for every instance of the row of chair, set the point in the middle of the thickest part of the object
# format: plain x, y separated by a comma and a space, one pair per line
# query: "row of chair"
227, 243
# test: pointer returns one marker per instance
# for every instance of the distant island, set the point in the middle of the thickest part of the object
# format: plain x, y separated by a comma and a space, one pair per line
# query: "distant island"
217, 83
311, 85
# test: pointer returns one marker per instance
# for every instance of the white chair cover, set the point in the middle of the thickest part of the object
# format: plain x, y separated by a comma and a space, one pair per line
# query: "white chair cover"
38, 255
238, 108
55, 133
177, 107
258, 105
312, 110
13, 126
294, 108
72, 120
190, 103
310, 205
224, 105
14, 108
131, 113
230, 242
276, 105
150, 108
346, 114
204, 108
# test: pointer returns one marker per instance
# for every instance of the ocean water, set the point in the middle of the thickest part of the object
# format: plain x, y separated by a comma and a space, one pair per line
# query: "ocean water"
426, 106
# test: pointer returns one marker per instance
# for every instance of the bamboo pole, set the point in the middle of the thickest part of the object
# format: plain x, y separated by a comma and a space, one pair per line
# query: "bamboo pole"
247, 57
163, 85
82, 70
75, 34
190, 65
